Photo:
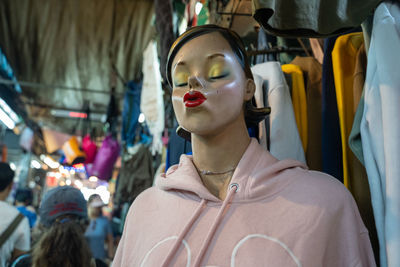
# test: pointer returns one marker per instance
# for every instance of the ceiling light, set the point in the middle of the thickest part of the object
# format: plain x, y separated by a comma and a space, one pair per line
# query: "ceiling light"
50, 162
78, 184
12, 166
6, 120
8, 111
35, 164
93, 179
141, 118
103, 193
62, 113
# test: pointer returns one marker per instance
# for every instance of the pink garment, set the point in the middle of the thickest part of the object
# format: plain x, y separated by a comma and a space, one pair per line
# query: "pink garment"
276, 213
90, 149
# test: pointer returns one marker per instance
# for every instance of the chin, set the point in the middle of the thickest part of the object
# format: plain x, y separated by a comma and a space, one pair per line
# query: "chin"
205, 128
202, 122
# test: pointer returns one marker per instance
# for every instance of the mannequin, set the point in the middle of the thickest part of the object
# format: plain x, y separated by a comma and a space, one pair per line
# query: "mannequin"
232, 203
218, 121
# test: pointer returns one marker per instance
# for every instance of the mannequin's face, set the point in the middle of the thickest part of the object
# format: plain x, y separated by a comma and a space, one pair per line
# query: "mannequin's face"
209, 85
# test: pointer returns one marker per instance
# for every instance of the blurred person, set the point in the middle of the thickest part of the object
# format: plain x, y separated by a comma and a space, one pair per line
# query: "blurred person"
23, 202
63, 217
99, 234
14, 227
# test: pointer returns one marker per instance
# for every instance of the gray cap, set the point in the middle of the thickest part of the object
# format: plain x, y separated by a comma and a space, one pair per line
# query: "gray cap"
59, 201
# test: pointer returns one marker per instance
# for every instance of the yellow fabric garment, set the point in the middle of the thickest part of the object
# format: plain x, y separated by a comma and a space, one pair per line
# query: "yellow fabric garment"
299, 100
343, 60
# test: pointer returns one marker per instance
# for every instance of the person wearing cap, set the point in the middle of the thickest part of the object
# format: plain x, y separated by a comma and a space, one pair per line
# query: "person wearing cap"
99, 232
18, 240
63, 215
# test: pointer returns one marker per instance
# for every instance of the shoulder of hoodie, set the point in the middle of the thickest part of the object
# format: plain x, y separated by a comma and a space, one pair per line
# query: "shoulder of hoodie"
319, 188
304, 182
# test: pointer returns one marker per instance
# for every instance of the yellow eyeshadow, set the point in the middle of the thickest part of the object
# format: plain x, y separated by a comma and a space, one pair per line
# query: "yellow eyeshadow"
217, 70
181, 78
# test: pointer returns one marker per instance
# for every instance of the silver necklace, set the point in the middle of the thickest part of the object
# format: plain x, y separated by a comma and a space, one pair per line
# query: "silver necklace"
205, 172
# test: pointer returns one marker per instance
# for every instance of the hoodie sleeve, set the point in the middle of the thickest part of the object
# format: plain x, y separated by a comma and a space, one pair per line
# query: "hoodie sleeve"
365, 252
354, 238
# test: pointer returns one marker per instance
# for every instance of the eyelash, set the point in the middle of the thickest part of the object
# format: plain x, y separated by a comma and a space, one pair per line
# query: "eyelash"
181, 84
211, 78
219, 76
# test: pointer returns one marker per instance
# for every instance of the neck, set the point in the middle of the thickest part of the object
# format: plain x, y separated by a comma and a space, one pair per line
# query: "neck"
4, 194
218, 154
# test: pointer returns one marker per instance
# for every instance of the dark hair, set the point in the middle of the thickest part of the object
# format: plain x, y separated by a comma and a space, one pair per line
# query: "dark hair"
24, 195
253, 115
93, 197
6, 175
63, 244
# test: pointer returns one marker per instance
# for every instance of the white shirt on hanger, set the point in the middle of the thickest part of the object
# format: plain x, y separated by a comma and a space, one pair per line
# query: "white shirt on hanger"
285, 142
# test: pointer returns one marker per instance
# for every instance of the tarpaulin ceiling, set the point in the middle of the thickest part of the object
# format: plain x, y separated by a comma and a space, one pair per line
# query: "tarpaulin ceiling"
67, 44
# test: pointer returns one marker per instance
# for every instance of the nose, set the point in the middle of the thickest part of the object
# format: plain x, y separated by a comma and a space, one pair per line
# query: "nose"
194, 82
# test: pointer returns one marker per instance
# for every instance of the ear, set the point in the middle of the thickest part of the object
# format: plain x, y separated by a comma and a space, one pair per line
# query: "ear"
250, 89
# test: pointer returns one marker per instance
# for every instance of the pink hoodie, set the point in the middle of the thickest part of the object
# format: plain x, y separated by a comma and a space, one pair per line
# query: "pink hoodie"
276, 213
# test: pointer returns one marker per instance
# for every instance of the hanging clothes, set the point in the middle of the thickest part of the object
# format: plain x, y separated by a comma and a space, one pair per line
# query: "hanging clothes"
349, 64
265, 41
360, 70
164, 25
263, 133
281, 124
312, 71
176, 147
367, 30
152, 102
343, 60
299, 100
286, 58
317, 49
112, 113
359, 79
332, 162
106, 157
130, 112
380, 129
311, 18
136, 174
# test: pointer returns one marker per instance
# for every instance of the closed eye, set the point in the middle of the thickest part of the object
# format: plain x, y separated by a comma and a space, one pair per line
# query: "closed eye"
181, 78
181, 84
219, 76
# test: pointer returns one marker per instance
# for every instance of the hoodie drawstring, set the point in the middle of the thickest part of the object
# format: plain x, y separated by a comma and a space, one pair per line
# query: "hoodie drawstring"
232, 189
178, 242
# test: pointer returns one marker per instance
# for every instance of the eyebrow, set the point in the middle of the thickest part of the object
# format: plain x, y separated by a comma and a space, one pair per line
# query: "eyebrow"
215, 55
183, 63
180, 63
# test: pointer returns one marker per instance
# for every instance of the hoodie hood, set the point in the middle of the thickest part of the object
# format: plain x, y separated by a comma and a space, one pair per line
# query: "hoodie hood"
256, 176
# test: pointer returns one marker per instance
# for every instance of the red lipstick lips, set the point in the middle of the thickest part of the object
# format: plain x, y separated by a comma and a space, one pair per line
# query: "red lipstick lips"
193, 99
